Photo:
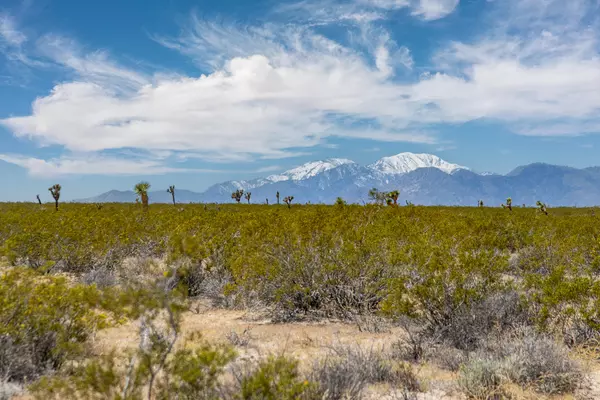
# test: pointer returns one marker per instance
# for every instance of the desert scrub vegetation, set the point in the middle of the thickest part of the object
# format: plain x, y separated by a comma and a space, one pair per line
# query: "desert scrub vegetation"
46, 321
454, 278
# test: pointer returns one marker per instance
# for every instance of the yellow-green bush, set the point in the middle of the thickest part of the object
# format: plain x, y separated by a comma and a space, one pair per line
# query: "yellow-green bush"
43, 322
426, 262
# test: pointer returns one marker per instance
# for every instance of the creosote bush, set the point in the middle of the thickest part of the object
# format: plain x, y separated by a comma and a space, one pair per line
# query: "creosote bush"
44, 321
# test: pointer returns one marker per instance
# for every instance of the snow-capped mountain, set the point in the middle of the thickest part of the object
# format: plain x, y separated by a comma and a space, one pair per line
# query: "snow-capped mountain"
407, 162
309, 170
303, 172
421, 179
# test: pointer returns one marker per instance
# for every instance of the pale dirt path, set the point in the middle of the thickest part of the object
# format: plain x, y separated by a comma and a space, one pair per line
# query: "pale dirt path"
305, 341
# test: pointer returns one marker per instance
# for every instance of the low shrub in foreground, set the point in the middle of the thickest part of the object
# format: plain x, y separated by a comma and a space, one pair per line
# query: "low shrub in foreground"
44, 321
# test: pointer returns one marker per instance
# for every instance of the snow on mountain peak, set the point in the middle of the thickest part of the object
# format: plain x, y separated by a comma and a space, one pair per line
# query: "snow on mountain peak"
309, 170
406, 162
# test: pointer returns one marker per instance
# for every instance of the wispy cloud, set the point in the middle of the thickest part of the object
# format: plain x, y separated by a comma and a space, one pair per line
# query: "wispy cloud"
95, 67
365, 11
434, 9
9, 34
272, 168
94, 165
13, 43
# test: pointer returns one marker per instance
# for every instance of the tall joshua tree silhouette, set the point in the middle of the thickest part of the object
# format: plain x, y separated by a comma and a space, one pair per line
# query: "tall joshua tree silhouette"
171, 190
393, 196
542, 207
288, 200
141, 189
237, 195
55, 192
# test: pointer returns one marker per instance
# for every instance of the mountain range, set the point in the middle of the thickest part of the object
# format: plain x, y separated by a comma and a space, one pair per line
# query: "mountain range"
421, 179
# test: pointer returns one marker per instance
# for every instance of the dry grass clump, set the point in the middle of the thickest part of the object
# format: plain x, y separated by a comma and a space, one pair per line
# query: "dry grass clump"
347, 370
240, 340
481, 378
541, 362
527, 359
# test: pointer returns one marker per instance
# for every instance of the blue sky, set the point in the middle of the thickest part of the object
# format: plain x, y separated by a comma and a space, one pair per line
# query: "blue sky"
99, 95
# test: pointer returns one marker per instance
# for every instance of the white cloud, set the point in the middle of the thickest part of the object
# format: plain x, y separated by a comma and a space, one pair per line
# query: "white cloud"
307, 89
94, 165
538, 67
434, 9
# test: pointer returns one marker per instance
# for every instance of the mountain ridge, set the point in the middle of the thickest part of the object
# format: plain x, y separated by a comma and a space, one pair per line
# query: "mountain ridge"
421, 178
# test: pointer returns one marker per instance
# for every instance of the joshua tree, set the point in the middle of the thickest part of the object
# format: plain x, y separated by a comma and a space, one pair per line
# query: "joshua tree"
237, 195
141, 189
247, 196
340, 202
409, 203
377, 196
38, 199
480, 203
508, 204
542, 207
277, 195
393, 196
171, 190
288, 200
55, 192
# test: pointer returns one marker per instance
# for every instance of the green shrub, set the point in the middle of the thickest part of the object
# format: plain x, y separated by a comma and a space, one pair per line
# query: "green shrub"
276, 378
43, 322
191, 373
